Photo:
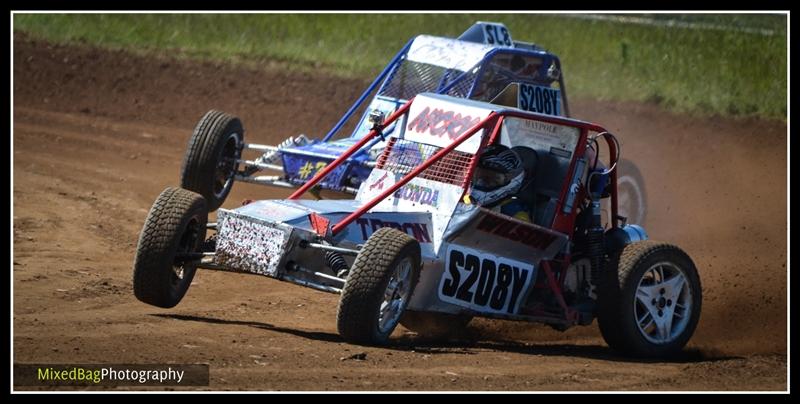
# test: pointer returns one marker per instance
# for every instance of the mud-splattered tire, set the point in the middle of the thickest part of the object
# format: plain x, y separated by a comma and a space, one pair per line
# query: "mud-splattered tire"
176, 224
631, 193
210, 164
378, 288
650, 300
435, 325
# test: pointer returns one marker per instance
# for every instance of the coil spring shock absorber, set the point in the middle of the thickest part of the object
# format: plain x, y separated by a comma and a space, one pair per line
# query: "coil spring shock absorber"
595, 247
337, 263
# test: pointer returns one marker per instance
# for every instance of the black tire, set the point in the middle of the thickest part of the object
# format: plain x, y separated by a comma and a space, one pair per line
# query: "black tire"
358, 318
435, 325
619, 306
176, 224
631, 193
209, 166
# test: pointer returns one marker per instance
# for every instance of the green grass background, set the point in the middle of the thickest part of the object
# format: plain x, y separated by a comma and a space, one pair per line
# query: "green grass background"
701, 71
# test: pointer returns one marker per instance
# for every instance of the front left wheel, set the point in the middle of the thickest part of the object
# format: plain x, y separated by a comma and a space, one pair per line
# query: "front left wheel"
379, 287
175, 227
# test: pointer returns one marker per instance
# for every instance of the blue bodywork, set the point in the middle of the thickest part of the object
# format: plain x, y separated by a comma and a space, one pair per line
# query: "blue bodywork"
525, 64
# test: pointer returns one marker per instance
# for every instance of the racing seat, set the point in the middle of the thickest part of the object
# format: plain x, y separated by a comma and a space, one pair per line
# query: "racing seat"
540, 191
548, 189
527, 193
530, 162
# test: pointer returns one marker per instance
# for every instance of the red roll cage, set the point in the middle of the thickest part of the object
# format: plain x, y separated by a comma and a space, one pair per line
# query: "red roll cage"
562, 222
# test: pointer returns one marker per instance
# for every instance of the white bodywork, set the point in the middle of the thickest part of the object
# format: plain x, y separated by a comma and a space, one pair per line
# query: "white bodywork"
446, 52
474, 260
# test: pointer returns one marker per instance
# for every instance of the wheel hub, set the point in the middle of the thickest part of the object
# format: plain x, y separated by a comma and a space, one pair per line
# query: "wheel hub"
663, 303
396, 296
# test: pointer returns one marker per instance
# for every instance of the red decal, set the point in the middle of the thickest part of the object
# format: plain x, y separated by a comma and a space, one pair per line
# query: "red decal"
417, 230
379, 183
319, 223
518, 232
438, 122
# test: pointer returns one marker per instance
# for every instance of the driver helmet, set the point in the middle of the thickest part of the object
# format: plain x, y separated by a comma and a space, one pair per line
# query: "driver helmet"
498, 176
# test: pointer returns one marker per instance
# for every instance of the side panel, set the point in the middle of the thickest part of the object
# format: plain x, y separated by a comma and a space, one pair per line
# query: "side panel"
300, 164
484, 282
437, 199
418, 225
469, 268
517, 239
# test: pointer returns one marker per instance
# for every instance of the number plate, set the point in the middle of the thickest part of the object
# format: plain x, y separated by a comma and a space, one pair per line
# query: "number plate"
484, 282
497, 35
543, 100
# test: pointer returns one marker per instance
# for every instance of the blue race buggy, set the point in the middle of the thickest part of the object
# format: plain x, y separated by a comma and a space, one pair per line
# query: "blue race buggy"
484, 63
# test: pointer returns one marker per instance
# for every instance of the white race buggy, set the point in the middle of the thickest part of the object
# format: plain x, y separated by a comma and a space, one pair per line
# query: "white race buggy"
415, 248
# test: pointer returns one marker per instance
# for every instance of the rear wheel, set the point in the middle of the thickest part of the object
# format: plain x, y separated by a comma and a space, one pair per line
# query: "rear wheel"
650, 306
210, 164
175, 226
631, 193
379, 286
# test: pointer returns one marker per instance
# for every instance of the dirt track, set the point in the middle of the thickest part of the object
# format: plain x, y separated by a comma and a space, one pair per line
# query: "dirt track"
98, 134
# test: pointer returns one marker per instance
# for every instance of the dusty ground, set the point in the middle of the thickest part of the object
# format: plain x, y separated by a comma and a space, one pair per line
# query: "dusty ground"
98, 134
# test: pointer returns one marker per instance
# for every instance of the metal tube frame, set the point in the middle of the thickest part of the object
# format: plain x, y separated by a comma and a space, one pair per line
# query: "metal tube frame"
390, 67
562, 222
313, 285
338, 227
369, 89
262, 166
330, 167
346, 251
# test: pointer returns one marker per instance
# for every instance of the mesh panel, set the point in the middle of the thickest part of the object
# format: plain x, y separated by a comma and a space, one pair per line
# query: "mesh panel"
412, 78
461, 89
401, 156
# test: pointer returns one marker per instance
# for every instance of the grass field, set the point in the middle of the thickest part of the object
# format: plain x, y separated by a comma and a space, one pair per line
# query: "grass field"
729, 64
